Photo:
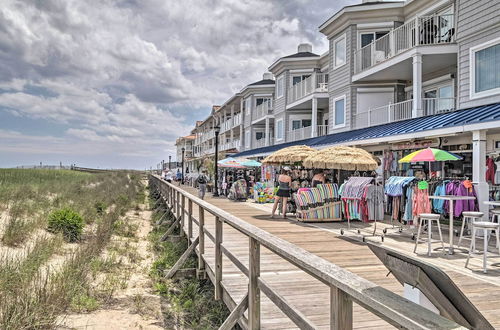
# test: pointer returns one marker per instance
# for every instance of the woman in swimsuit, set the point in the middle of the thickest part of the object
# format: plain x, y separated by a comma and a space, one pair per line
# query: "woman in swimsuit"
284, 181
318, 178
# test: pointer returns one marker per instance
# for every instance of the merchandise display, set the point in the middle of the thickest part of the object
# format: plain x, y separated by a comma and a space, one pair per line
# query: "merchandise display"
263, 192
318, 204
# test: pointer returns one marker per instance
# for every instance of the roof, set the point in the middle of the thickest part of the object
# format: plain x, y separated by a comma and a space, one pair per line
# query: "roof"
262, 82
477, 115
301, 54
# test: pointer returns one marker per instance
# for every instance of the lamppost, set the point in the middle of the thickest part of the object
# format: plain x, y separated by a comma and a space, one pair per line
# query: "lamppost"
217, 131
182, 164
169, 162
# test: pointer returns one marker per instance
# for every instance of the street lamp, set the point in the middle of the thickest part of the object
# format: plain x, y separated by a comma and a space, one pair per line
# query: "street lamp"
182, 164
217, 131
169, 161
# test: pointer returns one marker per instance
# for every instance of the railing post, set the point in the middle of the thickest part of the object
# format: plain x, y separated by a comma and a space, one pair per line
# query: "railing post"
340, 310
190, 221
183, 215
417, 31
253, 285
389, 112
178, 204
369, 116
218, 258
201, 247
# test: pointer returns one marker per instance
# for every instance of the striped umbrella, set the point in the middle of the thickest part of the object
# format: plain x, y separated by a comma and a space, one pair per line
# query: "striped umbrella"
230, 162
429, 155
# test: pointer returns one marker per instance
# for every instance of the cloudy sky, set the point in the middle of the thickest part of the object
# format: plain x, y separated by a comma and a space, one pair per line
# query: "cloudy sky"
113, 83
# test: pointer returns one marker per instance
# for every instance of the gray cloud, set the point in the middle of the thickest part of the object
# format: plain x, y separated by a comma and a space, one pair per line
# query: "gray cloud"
110, 69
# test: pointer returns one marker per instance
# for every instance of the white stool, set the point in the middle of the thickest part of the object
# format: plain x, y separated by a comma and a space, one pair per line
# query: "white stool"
495, 215
428, 218
469, 218
486, 226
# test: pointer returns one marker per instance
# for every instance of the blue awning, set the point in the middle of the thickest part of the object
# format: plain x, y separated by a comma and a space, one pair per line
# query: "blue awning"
482, 114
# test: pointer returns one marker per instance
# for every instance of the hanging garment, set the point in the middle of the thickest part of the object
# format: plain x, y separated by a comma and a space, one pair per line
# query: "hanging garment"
490, 170
421, 203
375, 202
408, 213
497, 172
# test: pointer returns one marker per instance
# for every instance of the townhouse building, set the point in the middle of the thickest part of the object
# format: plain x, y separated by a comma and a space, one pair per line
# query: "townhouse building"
397, 75
185, 144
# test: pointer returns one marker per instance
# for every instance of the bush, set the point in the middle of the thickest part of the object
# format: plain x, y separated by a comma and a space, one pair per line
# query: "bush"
67, 222
100, 207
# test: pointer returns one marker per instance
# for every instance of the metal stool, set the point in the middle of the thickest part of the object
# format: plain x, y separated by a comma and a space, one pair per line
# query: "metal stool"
428, 218
486, 226
469, 218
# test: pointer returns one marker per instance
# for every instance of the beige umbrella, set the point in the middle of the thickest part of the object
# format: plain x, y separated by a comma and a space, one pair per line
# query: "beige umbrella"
289, 155
342, 158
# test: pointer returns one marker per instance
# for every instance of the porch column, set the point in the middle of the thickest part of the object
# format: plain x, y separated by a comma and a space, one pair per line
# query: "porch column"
240, 148
314, 121
479, 170
267, 133
417, 110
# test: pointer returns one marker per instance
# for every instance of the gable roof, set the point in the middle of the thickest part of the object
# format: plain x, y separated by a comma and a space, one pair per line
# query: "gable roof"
301, 54
262, 82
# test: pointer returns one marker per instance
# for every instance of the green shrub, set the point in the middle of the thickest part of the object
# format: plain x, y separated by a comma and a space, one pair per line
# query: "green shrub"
67, 222
100, 207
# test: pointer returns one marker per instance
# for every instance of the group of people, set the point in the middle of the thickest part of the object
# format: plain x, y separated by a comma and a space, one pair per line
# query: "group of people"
284, 188
169, 176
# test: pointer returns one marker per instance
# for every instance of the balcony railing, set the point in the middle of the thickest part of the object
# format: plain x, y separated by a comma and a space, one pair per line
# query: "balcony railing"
322, 130
317, 82
237, 120
426, 30
230, 145
262, 143
263, 109
401, 111
226, 126
299, 134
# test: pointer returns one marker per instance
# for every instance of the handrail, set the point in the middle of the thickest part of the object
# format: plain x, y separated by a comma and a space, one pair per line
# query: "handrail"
345, 286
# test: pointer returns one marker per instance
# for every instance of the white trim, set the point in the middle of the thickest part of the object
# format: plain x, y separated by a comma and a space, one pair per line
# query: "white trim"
378, 25
439, 80
372, 31
292, 59
278, 131
334, 54
263, 95
472, 71
301, 70
282, 78
333, 125
324, 69
375, 89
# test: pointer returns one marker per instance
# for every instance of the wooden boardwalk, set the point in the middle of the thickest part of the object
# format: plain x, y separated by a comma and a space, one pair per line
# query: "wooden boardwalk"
308, 295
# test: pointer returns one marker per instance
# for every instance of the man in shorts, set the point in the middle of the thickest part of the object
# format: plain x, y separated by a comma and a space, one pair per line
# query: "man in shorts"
202, 184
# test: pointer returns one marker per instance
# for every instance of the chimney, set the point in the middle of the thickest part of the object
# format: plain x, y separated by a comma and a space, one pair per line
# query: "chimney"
304, 48
267, 76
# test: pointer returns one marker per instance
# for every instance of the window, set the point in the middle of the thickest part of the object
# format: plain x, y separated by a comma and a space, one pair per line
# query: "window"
279, 129
339, 52
259, 135
339, 111
485, 69
260, 100
367, 38
300, 123
298, 79
247, 106
247, 139
280, 87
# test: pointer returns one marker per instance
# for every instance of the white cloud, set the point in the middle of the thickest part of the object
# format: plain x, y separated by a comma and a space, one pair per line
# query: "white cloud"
109, 69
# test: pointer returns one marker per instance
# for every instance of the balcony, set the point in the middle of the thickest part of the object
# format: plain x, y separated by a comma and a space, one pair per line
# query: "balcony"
226, 126
262, 110
316, 83
420, 31
237, 120
322, 130
402, 111
306, 133
235, 144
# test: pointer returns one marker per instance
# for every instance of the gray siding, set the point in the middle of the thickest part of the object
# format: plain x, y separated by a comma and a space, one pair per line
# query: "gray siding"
280, 104
478, 22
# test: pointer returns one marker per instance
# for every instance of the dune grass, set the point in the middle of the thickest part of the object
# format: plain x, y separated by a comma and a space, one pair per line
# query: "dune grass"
32, 292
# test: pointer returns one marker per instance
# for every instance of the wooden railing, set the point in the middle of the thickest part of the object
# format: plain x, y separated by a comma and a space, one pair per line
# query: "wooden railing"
345, 287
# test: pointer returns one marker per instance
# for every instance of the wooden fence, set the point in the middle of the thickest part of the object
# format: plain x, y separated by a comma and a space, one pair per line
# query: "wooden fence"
345, 287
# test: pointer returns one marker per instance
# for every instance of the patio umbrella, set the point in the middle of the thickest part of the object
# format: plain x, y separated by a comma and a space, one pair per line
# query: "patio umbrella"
289, 155
250, 163
230, 162
342, 158
429, 155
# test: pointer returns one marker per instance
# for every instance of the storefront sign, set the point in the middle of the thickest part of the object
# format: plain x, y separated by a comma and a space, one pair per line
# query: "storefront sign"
416, 167
419, 144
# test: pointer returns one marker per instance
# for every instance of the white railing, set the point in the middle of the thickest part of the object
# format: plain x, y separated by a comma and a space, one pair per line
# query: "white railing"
317, 82
433, 106
263, 109
322, 130
259, 143
299, 134
226, 126
426, 30
237, 120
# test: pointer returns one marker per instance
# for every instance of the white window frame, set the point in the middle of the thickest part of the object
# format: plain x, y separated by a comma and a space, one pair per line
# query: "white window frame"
370, 31
248, 137
278, 94
343, 36
278, 138
248, 105
334, 126
472, 65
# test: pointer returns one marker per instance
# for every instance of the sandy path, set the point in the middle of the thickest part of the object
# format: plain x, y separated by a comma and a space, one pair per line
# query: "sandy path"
136, 306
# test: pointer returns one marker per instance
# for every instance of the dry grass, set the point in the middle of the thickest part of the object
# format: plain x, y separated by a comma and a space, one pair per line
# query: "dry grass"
290, 155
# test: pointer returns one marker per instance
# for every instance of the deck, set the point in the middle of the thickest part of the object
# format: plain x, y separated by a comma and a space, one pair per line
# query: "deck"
310, 296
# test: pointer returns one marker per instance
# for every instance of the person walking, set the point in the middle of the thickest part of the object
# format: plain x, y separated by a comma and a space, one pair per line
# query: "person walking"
283, 193
202, 184
168, 176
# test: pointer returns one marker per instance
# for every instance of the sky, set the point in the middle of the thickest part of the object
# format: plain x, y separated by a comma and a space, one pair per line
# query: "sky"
112, 84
